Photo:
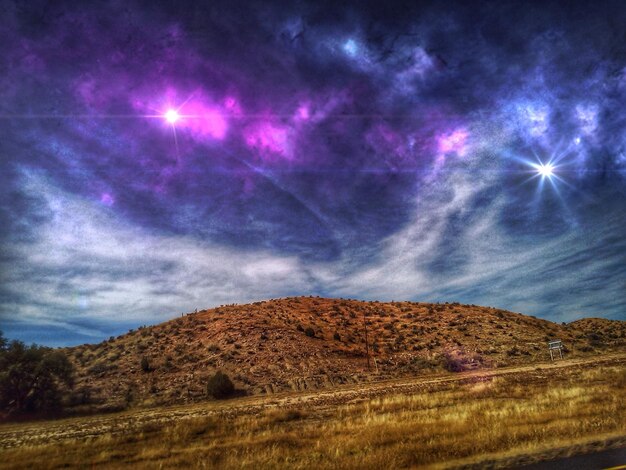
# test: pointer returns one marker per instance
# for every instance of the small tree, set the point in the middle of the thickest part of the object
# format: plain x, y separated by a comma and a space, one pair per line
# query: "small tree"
220, 386
31, 377
310, 332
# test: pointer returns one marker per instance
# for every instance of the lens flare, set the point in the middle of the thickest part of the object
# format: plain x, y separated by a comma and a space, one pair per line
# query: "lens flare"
546, 170
171, 116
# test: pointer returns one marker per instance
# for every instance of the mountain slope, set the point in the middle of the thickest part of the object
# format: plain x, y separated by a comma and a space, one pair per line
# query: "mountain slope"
304, 342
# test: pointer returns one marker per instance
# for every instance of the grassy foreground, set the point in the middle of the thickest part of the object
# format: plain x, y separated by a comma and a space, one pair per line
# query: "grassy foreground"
443, 423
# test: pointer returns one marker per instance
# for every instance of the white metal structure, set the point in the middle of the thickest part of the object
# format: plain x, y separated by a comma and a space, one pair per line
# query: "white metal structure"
557, 344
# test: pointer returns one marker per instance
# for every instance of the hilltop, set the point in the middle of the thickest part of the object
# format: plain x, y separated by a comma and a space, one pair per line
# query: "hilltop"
300, 343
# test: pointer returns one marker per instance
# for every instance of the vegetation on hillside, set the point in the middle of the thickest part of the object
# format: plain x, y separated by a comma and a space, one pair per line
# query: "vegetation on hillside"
300, 343
291, 344
32, 378
220, 386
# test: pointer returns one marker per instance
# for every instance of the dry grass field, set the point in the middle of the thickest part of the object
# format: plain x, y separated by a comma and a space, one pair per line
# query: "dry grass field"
495, 418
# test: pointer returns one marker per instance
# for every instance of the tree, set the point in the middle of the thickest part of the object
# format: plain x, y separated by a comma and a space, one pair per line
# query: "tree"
220, 386
31, 377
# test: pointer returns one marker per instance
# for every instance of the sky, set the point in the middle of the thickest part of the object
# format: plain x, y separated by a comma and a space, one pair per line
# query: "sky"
158, 157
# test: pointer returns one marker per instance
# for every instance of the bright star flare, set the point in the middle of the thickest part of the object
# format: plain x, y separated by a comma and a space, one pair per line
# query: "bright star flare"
171, 116
546, 170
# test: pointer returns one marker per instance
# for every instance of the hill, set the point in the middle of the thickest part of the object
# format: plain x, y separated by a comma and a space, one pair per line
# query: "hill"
303, 343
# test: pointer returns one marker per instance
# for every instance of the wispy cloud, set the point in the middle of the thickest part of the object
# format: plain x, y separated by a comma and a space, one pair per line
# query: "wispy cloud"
88, 266
86, 263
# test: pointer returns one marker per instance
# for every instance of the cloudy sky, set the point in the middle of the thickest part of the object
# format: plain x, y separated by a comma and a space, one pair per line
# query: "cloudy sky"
157, 157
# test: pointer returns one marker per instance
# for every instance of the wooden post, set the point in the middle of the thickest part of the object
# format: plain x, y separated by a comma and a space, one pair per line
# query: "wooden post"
367, 347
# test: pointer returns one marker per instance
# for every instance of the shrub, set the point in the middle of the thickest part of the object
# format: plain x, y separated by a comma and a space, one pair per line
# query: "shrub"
145, 364
101, 367
513, 351
82, 396
220, 386
594, 339
167, 364
453, 364
337, 336
310, 332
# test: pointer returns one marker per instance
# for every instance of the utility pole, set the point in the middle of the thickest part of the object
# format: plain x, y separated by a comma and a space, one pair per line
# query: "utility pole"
367, 347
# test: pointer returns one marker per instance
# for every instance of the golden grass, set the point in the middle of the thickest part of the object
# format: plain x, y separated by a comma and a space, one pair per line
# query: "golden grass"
449, 423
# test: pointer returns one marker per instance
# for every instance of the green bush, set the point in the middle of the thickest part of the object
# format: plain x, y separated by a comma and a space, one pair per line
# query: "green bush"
220, 386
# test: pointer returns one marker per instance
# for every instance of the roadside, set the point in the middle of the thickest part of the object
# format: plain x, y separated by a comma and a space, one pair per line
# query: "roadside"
608, 459
44, 432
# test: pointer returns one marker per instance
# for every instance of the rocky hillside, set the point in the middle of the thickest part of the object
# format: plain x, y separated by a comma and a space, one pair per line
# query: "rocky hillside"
308, 342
